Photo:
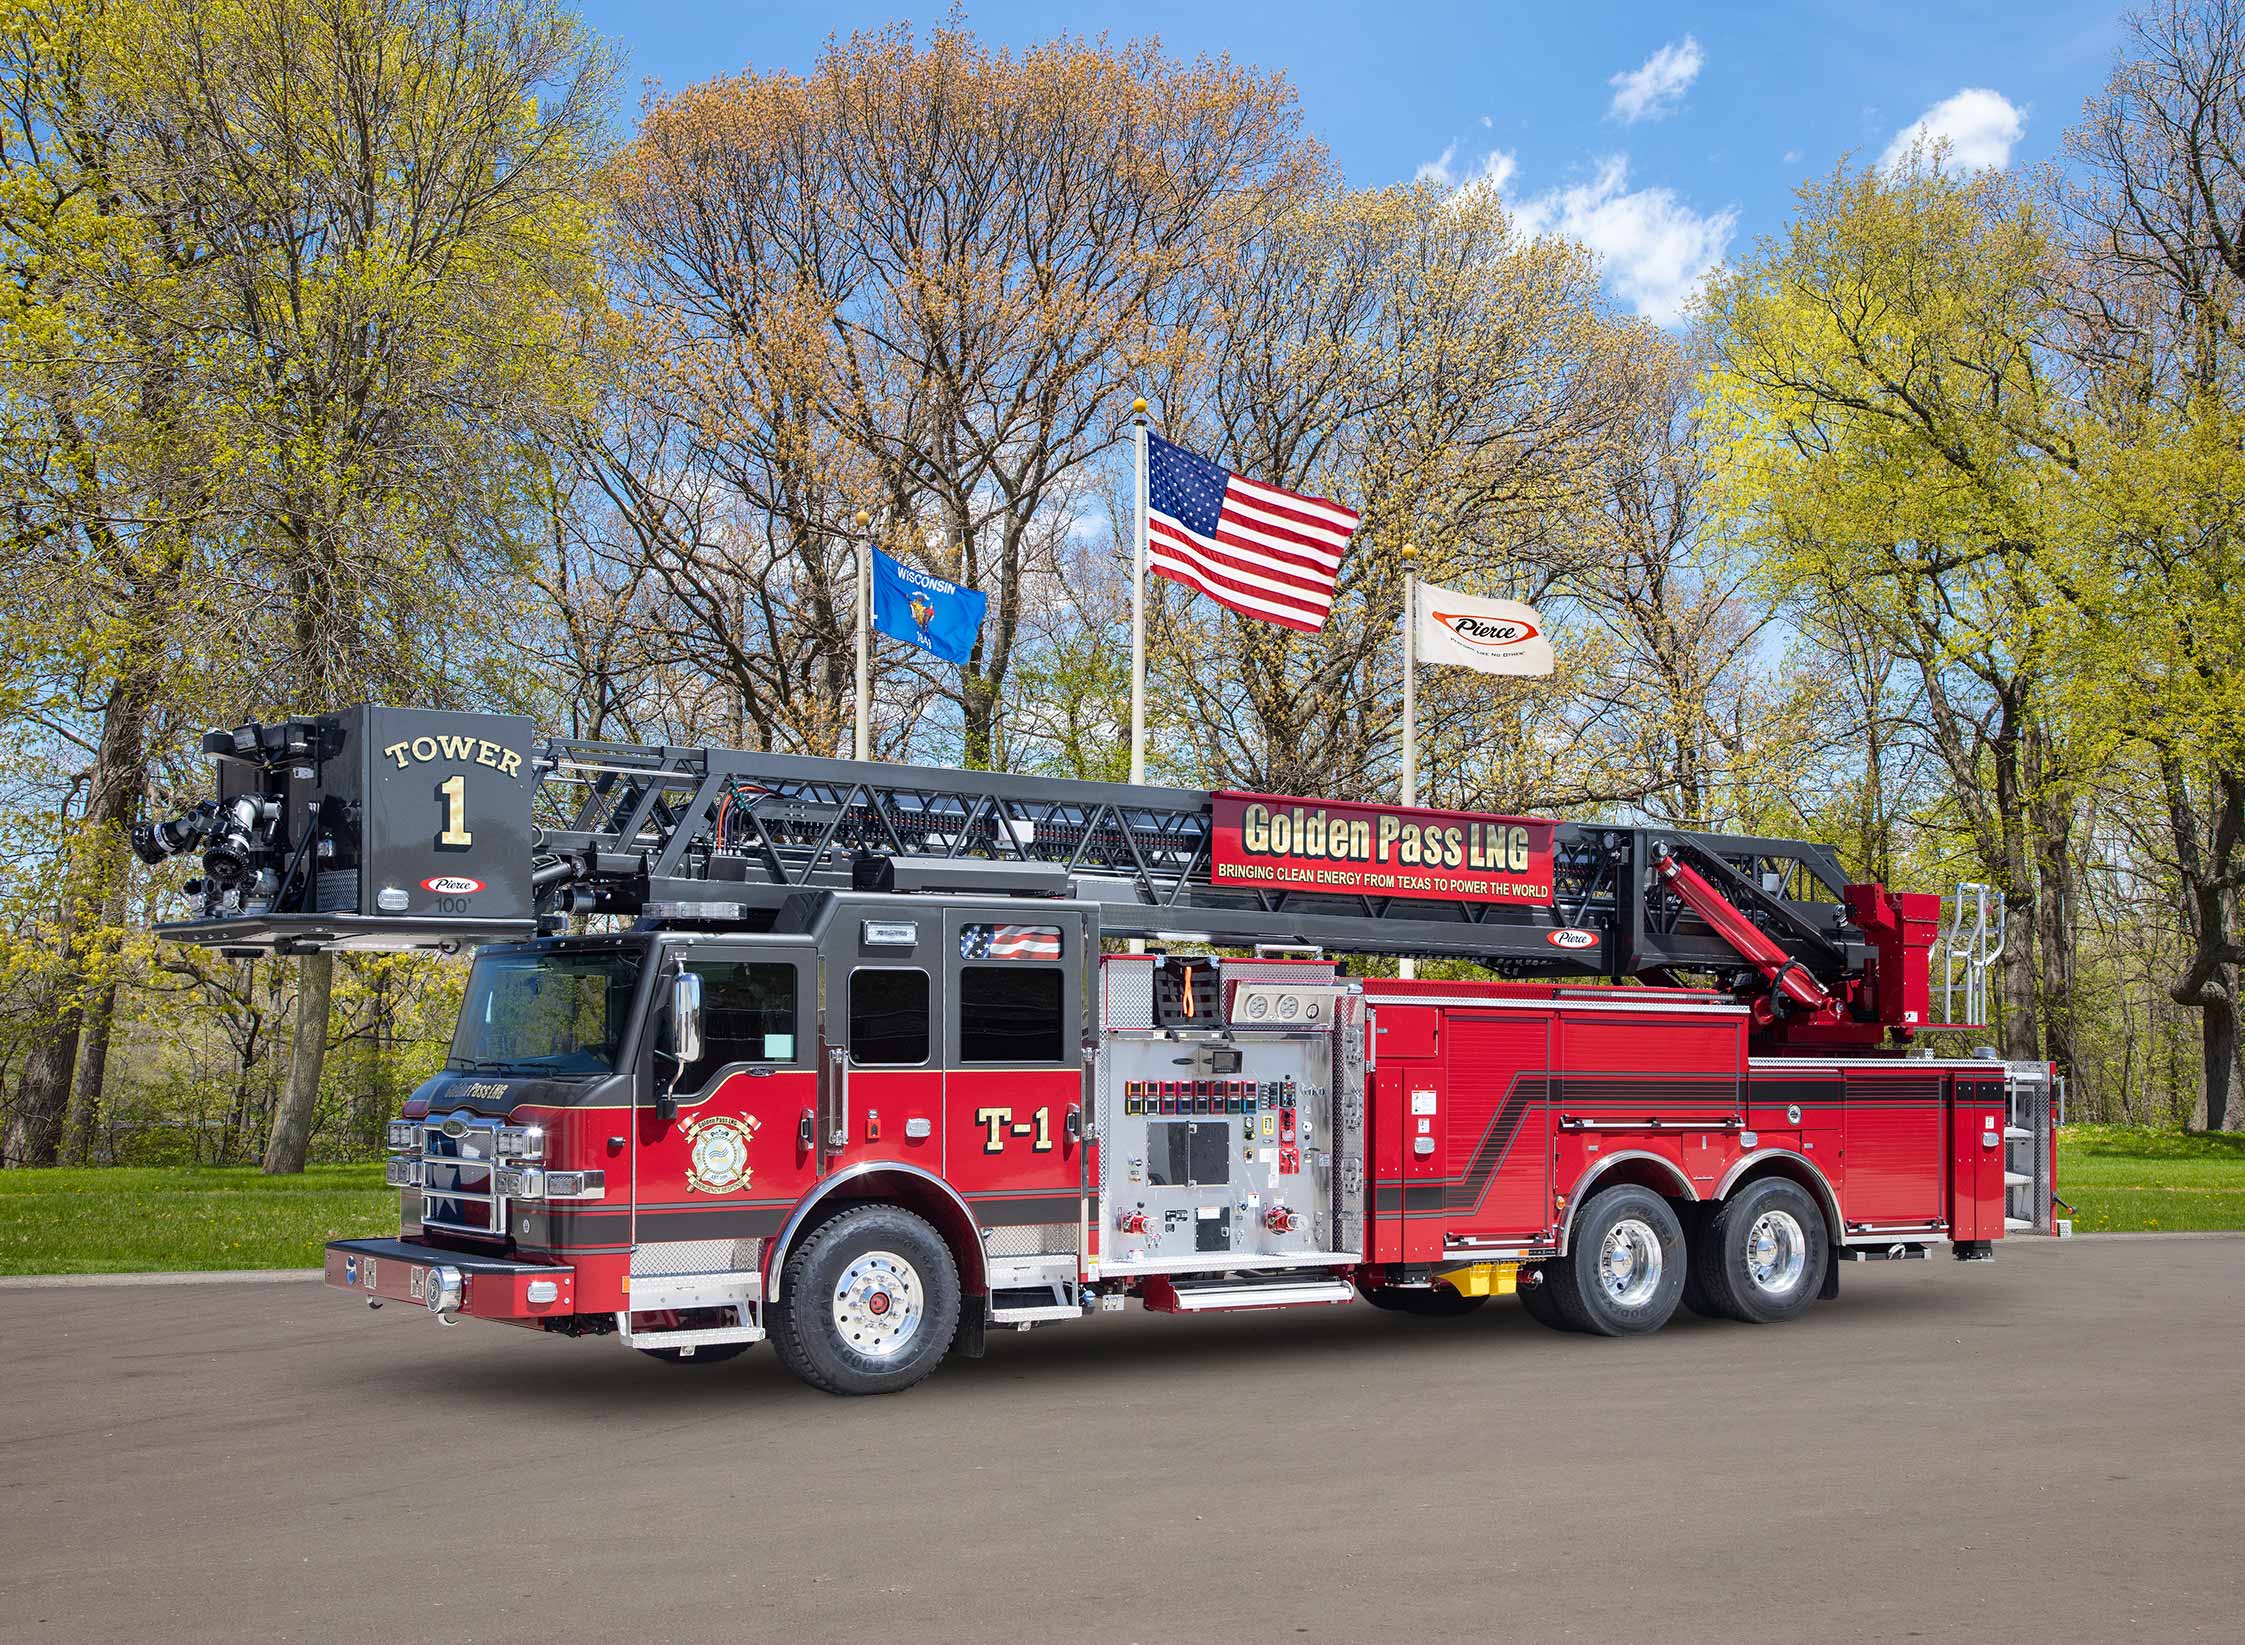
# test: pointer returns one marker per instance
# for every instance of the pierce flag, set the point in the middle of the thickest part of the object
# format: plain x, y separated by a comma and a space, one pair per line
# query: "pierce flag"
1468, 631
937, 616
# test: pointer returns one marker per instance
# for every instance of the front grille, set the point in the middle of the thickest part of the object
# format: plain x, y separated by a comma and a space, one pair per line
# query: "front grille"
459, 1190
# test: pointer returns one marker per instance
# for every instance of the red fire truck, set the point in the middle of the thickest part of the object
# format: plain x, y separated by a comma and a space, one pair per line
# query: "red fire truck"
872, 1059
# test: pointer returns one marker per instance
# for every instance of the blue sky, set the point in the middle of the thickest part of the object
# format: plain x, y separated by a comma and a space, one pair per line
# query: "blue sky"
1665, 136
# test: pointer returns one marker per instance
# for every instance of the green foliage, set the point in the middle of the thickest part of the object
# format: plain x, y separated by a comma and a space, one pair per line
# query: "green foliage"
2128, 1178
129, 1221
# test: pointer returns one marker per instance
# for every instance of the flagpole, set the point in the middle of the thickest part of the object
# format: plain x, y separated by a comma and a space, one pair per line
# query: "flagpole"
863, 743
1408, 968
1138, 599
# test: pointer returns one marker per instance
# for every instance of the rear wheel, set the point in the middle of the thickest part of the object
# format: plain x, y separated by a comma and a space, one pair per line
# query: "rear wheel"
1542, 1306
1695, 1297
868, 1304
1623, 1273
1762, 1259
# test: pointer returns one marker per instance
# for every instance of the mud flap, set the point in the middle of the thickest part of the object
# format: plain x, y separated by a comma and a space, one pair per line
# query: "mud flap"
973, 1334
1831, 1286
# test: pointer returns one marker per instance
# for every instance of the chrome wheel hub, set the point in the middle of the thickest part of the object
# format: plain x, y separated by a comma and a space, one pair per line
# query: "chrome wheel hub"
878, 1304
1776, 1252
1629, 1263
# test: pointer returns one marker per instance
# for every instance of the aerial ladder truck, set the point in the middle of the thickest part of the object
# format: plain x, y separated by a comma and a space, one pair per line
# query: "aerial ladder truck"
871, 1060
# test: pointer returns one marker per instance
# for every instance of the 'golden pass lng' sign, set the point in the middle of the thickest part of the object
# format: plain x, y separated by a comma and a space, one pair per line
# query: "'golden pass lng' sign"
1273, 842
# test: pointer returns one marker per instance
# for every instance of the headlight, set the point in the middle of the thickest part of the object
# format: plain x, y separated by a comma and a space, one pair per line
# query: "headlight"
522, 1182
402, 1173
576, 1184
522, 1142
404, 1134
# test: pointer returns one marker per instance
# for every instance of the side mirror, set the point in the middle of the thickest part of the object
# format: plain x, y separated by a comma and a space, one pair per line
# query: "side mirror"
686, 1017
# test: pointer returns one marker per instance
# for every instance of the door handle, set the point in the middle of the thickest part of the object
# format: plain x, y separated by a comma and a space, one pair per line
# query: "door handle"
1075, 1125
804, 1130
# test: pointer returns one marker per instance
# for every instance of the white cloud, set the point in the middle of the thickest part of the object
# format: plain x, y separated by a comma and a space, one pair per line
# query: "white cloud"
1438, 169
1978, 126
1655, 247
1652, 91
1494, 171
1486, 121
1792, 157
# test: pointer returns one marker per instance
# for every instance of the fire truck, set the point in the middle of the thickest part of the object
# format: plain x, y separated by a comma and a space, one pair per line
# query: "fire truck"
871, 1060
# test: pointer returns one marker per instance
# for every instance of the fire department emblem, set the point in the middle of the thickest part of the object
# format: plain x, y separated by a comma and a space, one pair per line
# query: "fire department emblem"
717, 1152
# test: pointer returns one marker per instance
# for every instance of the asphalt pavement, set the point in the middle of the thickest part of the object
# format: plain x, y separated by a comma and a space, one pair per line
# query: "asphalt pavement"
2048, 1447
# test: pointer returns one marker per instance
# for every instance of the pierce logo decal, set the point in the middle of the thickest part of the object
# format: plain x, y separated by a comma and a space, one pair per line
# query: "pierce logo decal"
1485, 633
1571, 936
452, 885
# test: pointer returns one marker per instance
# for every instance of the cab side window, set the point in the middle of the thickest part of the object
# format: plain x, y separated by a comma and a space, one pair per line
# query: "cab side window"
1012, 1014
888, 1016
748, 1015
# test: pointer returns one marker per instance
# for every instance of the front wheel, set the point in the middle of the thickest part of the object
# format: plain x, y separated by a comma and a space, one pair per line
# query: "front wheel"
868, 1304
1623, 1273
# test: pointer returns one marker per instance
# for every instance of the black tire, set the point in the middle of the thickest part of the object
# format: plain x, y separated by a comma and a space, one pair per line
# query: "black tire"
1579, 1281
1763, 1256
1542, 1306
1695, 1297
840, 1286
1432, 1302
709, 1353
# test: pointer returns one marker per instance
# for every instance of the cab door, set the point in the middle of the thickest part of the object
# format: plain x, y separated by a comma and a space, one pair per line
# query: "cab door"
1410, 1142
1013, 1080
729, 1165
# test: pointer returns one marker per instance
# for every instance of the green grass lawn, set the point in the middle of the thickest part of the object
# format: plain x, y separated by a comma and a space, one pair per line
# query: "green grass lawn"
135, 1219
2124, 1178
132, 1219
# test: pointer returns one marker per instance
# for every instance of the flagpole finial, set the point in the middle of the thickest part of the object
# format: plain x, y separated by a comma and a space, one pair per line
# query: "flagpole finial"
1410, 551
863, 519
1138, 408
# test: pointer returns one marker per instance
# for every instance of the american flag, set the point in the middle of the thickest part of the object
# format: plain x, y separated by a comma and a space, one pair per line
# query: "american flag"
1009, 942
1264, 552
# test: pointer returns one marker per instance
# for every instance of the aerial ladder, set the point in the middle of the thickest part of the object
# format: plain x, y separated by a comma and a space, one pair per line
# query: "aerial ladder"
323, 824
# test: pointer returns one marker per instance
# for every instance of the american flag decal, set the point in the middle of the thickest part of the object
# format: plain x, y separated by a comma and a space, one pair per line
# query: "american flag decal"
1266, 553
1009, 942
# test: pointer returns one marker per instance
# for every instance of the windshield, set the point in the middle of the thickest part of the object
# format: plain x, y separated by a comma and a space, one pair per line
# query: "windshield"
547, 1012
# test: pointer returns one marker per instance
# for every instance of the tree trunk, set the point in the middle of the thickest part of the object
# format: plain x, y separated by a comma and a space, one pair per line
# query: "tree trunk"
2218, 1046
292, 1125
35, 1129
2020, 1038
90, 869
2052, 815
93, 1074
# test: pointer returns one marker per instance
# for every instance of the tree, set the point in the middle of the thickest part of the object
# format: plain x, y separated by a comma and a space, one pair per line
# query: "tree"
2156, 205
1408, 352
916, 281
337, 248
1891, 433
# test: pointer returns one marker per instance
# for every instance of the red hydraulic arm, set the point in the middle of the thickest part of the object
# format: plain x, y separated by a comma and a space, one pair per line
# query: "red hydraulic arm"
1786, 976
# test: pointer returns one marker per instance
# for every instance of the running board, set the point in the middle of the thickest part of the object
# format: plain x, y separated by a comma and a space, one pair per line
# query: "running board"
1022, 1306
1212, 1296
705, 1336
1880, 1253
